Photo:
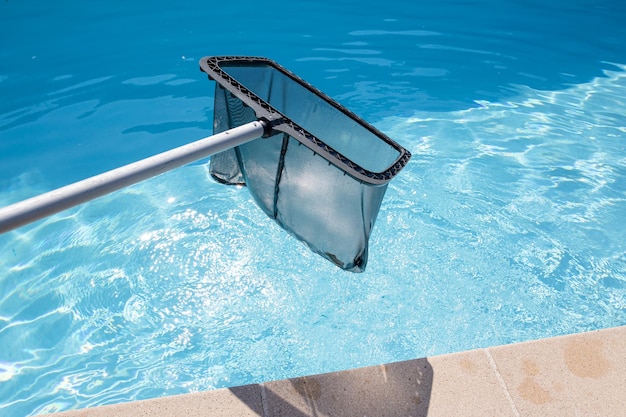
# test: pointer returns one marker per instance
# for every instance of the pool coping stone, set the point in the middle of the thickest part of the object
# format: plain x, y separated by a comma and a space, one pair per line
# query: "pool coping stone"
580, 374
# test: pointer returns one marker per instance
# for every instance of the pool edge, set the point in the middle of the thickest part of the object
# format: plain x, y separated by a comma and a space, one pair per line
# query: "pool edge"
577, 374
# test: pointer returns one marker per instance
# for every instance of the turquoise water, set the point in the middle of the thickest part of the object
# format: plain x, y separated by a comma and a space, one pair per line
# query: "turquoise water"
507, 224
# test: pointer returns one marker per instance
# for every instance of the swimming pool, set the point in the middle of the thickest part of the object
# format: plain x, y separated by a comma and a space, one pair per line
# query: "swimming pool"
506, 225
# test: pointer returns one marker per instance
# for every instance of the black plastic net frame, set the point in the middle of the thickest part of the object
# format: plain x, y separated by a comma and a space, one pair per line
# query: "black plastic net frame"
320, 171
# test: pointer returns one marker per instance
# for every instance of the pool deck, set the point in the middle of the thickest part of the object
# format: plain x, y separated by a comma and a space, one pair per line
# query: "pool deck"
576, 375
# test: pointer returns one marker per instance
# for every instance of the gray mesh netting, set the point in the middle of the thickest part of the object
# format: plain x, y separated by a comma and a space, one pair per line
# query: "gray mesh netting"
321, 172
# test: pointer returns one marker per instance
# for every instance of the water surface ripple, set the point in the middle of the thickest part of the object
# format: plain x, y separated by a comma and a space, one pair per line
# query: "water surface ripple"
507, 224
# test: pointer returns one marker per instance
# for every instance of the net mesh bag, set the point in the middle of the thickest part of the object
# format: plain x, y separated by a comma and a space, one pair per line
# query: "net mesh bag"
321, 172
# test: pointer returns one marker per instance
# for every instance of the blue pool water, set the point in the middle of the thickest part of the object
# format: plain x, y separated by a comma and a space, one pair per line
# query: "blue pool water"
507, 224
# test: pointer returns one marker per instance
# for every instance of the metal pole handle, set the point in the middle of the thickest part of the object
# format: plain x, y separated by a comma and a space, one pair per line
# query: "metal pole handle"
35, 208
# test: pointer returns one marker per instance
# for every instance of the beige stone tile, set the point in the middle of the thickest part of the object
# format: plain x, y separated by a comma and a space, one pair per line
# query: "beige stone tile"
463, 384
577, 375
242, 401
397, 389
466, 384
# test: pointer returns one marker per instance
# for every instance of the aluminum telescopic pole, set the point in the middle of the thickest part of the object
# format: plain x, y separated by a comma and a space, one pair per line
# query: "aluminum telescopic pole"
35, 208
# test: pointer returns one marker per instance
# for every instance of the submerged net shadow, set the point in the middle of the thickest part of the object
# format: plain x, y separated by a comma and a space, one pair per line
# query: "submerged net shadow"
321, 173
